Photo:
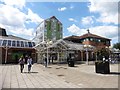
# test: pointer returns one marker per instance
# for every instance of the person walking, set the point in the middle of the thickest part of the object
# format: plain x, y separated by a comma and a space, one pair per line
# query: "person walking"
45, 61
29, 63
21, 62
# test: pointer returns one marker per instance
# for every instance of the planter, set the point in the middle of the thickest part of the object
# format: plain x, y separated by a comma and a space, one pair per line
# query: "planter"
71, 63
102, 67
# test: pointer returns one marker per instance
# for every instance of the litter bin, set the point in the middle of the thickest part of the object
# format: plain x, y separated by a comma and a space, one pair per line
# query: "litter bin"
71, 63
102, 67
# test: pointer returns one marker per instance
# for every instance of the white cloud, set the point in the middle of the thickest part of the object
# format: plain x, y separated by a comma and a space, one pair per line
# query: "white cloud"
34, 17
107, 11
62, 9
21, 31
18, 3
14, 20
108, 19
2, 26
104, 31
11, 16
73, 20
74, 29
87, 20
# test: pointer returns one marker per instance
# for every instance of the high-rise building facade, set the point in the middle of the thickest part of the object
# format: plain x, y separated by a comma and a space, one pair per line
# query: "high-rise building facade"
50, 29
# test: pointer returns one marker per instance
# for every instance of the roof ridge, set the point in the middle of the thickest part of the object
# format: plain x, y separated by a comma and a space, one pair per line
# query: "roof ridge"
94, 35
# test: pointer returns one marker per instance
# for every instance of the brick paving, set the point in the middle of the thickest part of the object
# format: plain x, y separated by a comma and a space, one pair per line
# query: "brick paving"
57, 76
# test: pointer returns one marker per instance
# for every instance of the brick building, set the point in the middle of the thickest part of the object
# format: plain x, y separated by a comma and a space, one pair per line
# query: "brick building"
90, 39
90, 42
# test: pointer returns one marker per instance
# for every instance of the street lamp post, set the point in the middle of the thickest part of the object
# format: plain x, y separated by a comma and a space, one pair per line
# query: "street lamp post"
47, 57
48, 44
87, 47
6, 54
87, 55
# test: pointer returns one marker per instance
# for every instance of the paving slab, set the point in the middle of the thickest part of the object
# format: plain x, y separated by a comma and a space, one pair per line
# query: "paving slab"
85, 75
37, 78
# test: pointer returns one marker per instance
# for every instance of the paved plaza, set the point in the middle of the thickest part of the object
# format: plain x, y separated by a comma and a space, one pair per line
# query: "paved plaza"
58, 76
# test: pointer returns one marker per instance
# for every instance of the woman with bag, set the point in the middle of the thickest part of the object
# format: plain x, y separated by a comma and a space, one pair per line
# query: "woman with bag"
29, 63
21, 62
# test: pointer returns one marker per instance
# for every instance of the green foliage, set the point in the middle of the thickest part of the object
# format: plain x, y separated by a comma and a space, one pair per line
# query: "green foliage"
117, 46
103, 52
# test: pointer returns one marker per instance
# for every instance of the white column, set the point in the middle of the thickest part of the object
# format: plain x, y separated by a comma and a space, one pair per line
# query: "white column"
6, 54
87, 56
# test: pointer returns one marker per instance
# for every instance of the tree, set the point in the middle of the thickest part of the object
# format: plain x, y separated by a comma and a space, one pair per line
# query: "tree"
102, 52
117, 46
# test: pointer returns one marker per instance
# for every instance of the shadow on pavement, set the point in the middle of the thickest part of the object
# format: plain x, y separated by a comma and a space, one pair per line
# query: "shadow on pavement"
115, 73
30, 72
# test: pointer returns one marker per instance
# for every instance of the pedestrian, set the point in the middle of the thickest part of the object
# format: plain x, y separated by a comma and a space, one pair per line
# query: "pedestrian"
45, 61
21, 62
29, 63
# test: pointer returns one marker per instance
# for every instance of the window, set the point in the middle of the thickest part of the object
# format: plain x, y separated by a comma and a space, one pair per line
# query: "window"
99, 40
91, 39
9, 42
4, 43
30, 44
18, 44
22, 44
87, 39
13, 43
26, 44
0, 42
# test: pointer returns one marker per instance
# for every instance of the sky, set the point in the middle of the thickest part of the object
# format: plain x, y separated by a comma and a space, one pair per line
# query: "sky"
20, 18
